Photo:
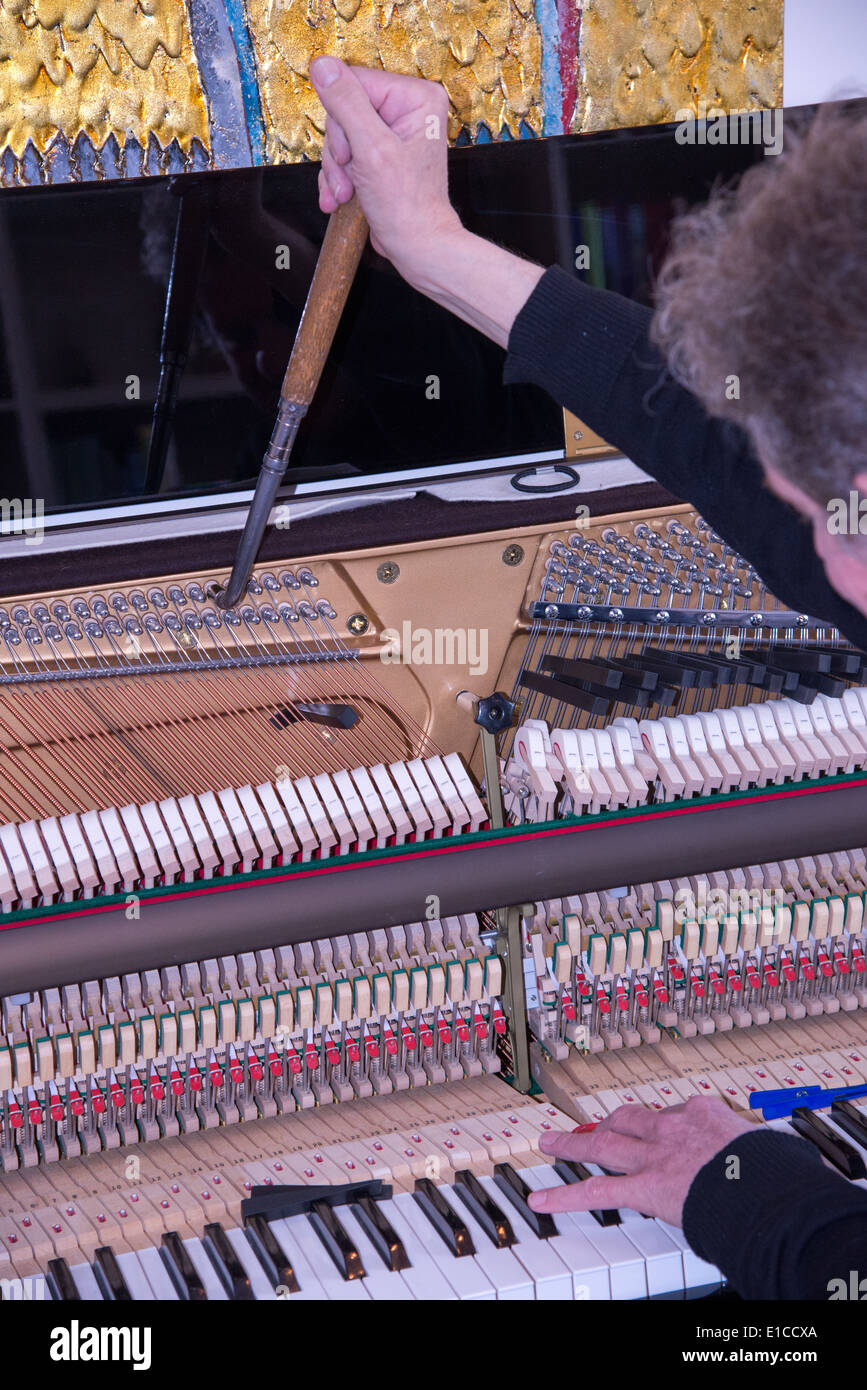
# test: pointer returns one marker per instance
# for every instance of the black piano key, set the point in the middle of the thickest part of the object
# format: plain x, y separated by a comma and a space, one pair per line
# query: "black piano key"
180, 1268
627, 693
513, 1186
324, 1220
821, 684
570, 1171
678, 668
852, 1119
844, 662
582, 668
564, 693
480, 1204
271, 1255
61, 1283
230, 1272
801, 658
382, 1235
845, 1159
792, 686
109, 1276
443, 1217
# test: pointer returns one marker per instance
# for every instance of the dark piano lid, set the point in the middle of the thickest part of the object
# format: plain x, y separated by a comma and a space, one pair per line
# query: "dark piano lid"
83, 276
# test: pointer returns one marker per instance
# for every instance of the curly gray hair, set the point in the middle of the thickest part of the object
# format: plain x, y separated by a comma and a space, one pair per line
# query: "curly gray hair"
767, 282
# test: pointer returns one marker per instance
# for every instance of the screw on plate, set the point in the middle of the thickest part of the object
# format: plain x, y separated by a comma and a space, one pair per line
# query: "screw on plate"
358, 624
388, 572
513, 554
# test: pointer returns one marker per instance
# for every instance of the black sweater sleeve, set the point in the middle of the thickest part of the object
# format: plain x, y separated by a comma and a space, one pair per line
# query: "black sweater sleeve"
591, 350
778, 1222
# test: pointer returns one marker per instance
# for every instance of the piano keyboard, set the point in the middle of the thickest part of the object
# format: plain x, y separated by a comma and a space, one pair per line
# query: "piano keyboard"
460, 1162
456, 1226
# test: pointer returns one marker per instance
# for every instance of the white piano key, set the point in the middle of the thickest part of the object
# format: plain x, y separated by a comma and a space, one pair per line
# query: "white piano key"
100, 849
206, 848
276, 818
141, 844
239, 828
134, 1276
336, 812
381, 1282
170, 864
263, 1289
332, 1281
157, 1275
412, 800
364, 831
697, 1273
448, 794
395, 808
220, 832
43, 869
424, 1276
268, 848
325, 835
8, 887
477, 809
120, 848
464, 1275
85, 1281
440, 818
626, 1265
27, 889
502, 1267
309, 1287
590, 1277
301, 827
551, 1277
662, 1256
214, 1290
82, 857
382, 826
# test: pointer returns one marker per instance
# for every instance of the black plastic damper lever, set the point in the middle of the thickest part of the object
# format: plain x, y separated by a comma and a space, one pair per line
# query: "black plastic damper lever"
332, 716
283, 1200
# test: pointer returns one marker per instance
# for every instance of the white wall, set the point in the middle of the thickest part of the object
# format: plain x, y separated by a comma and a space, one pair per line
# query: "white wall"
824, 50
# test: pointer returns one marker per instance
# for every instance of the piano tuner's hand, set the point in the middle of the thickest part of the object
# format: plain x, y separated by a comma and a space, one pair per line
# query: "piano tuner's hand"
386, 140
657, 1152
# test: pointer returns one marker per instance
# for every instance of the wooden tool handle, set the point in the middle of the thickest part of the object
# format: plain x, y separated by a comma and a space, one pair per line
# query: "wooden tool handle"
332, 281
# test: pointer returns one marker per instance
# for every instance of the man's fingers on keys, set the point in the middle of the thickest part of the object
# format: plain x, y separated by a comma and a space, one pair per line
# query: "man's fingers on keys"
638, 1120
592, 1195
609, 1147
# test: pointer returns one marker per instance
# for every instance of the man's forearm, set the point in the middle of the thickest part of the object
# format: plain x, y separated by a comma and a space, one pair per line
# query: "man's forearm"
476, 280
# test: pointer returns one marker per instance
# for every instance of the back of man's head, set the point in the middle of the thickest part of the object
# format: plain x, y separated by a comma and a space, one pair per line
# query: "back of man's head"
762, 304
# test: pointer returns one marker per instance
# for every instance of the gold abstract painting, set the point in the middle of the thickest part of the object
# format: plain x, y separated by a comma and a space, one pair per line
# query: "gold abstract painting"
98, 67
233, 75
